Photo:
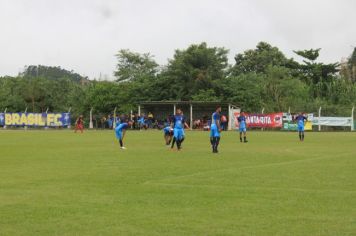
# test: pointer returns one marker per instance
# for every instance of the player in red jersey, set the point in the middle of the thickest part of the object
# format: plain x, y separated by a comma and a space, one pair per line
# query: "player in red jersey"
79, 124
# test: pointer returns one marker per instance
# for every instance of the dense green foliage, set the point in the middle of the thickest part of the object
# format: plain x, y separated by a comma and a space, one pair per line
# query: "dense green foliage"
61, 183
260, 77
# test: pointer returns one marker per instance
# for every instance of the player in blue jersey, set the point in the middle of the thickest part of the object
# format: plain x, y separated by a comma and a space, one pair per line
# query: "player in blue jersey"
215, 130
242, 126
178, 124
168, 134
300, 123
120, 131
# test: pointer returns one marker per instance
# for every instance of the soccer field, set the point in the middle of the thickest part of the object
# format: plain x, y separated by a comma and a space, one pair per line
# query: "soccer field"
61, 183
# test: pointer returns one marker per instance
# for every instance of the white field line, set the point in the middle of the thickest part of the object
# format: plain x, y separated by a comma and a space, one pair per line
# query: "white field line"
245, 167
254, 188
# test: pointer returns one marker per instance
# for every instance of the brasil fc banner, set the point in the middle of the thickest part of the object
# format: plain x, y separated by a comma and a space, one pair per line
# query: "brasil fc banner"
35, 119
272, 120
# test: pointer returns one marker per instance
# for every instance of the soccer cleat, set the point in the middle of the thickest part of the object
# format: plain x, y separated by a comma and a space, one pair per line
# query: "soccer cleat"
123, 148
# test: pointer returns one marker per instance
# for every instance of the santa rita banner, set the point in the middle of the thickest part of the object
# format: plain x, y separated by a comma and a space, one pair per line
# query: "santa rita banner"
271, 120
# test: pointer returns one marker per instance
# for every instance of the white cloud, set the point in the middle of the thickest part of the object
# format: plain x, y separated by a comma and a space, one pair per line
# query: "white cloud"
85, 35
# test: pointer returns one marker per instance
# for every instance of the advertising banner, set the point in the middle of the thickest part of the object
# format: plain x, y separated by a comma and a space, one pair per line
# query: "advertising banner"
333, 121
294, 126
2, 119
271, 120
289, 122
35, 119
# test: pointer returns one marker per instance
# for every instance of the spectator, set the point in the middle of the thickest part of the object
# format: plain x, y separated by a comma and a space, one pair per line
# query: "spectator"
150, 119
197, 124
110, 121
142, 122
224, 122
103, 121
117, 120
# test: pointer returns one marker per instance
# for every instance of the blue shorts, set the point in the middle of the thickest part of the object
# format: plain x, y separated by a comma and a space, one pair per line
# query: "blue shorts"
242, 129
300, 128
118, 134
214, 131
167, 133
178, 133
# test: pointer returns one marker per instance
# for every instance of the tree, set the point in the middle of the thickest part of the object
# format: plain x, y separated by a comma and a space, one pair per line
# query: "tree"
193, 69
352, 65
245, 90
34, 93
133, 66
206, 96
313, 72
311, 54
10, 94
102, 96
259, 59
282, 91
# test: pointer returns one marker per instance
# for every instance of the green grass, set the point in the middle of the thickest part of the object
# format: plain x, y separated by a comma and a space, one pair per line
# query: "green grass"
61, 183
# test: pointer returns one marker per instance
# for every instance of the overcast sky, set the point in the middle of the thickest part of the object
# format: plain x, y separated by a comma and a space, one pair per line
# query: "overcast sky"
84, 35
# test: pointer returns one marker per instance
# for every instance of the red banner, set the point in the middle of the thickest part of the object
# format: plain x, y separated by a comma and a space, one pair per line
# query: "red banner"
272, 120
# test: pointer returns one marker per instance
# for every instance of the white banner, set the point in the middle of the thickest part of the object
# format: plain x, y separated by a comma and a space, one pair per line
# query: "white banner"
333, 121
232, 118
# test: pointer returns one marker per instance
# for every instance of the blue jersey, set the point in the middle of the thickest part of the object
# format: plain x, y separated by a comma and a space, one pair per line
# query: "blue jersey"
119, 129
300, 120
110, 122
215, 118
117, 121
141, 120
122, 126
178, 121
242, 121
167, 130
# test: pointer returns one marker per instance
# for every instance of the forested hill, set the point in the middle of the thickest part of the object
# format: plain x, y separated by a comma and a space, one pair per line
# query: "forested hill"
51, 72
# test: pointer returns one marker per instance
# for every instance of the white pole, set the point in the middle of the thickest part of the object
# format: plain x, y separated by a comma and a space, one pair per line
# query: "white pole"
229, 115
91, 119
26, 110
263, 110
114, 120
289, 110
139, 110
46, 127
174, 109
319, 118
352, 119
69, 114
131, 115
191, 116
